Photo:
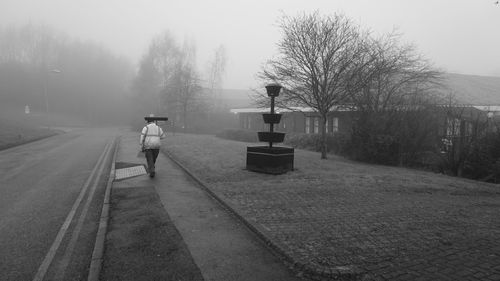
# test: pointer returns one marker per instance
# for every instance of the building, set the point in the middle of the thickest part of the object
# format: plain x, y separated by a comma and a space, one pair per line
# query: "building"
295, 120
453, 121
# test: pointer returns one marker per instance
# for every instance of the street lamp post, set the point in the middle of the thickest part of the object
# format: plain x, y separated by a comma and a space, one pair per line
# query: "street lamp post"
45, 93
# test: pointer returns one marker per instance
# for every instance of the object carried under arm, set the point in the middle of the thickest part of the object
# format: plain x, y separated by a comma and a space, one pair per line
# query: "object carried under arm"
155, 118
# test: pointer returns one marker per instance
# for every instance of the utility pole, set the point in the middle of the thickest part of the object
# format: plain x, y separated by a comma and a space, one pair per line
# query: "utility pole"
45, 92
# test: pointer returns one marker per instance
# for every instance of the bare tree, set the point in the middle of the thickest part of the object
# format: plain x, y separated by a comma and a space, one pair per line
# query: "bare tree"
146, 83
30, 44
316, 57
465, 131
393, 94
216, 69
184, 83
89, 86
156, 70
166, 56
391, 75
170, 79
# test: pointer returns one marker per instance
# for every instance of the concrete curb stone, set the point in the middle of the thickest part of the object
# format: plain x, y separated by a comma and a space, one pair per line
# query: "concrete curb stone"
312, 271
98, 252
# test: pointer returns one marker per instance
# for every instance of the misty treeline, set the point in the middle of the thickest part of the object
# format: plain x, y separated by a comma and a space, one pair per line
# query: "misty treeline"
82, 83
72, 81
169, 83
328, 62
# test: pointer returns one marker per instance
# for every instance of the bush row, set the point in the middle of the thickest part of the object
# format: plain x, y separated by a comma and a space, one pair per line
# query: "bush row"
238, 135
335, 143
482, 162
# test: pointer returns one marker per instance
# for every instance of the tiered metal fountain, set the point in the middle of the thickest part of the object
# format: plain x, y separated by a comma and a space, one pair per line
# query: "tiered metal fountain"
270, 159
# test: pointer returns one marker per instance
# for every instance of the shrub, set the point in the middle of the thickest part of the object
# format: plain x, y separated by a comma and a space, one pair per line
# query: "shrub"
336, 143
238, 135
483, 162
374, 148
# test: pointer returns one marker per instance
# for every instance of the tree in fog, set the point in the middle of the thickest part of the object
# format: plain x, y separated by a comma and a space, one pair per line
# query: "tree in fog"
328, 61
152, 83
29, 44
164, 54
93, 82
184, 86
146, 84
26, 55
393, 93
316, 58
89, 88
392, 75
168, 81
215, 71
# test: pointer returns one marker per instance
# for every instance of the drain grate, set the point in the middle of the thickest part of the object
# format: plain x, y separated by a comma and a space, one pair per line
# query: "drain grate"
129, 172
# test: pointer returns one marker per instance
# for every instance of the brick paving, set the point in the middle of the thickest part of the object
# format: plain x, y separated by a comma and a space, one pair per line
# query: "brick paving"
389, 234
407, 230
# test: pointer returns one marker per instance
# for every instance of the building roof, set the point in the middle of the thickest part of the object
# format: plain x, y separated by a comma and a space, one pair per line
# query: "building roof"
289, 109
489, 108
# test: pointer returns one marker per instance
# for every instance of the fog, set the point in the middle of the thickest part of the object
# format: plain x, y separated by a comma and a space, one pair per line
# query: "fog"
457, 36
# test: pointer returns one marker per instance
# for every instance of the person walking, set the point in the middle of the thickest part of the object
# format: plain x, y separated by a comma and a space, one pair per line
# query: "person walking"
150, 141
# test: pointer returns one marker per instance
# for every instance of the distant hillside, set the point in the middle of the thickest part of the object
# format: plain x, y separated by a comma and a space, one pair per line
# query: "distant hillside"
472, 89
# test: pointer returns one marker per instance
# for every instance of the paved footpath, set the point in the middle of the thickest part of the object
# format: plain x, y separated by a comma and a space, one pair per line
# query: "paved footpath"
403, 233
221, 247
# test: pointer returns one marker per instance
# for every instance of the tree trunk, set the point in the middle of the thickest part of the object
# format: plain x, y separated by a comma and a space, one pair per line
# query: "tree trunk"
323, 137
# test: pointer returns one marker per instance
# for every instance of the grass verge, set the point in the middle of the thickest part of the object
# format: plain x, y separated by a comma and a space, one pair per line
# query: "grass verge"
142, 242
217, 160
13, 133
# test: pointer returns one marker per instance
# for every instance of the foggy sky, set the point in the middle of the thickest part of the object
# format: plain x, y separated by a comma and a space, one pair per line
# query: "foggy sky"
461, 36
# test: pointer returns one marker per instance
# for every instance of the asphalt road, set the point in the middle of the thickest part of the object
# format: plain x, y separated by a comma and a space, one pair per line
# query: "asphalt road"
51, 193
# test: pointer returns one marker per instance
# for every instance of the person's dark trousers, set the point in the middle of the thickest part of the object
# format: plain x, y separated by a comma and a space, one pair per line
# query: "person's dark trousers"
151, 155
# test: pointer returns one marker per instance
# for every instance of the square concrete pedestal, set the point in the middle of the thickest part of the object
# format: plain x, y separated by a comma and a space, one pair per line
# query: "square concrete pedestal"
270, 160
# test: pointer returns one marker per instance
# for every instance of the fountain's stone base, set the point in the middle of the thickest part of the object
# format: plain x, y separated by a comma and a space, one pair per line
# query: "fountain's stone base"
270, 160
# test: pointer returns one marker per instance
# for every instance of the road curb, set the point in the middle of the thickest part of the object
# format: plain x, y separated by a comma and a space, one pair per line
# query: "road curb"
97, 254
315, 272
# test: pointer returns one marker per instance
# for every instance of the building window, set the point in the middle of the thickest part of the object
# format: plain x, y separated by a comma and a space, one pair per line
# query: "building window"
335, 124
248, 122
468, 129
327, 125
308, 125
452, 126
316, 125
